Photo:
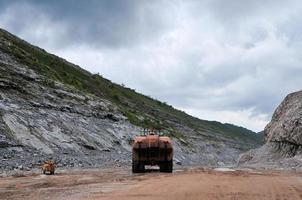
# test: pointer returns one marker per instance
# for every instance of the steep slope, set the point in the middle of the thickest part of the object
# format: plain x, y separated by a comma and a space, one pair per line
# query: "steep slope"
283, 136
49, 106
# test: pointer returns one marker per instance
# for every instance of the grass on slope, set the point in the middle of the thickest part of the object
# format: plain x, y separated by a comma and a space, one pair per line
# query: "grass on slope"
141, 110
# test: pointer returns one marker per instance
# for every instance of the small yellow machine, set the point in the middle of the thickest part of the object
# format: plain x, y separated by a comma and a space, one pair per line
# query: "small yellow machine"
49, 167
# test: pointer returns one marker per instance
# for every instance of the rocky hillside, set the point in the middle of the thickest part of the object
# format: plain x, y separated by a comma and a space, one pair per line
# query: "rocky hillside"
52, 109
283, 148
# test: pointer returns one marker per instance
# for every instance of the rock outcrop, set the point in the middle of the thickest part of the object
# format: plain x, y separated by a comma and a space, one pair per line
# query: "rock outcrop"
283, 135
52, 109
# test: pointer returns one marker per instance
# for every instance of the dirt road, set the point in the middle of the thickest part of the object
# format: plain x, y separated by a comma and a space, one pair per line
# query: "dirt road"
120, 184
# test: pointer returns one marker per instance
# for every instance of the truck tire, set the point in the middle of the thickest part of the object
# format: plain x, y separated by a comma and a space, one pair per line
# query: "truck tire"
169, 166
162, 167
166, 167
141, 168
137, 167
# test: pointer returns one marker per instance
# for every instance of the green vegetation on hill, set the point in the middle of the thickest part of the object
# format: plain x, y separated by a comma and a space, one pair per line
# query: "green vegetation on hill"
140, 110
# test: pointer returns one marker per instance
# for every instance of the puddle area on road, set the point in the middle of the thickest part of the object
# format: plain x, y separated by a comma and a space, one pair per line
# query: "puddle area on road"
222, 169
178, 170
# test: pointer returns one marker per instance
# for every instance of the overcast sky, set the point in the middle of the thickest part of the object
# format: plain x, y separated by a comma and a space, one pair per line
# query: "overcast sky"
226, 60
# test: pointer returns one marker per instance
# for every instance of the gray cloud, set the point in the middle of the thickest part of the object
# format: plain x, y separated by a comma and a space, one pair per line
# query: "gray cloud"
232, 61
101, 24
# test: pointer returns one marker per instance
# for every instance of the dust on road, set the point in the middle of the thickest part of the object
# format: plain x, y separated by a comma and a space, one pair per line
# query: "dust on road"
120, 184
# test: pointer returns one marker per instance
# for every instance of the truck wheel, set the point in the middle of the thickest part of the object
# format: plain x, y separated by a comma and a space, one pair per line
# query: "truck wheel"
169, 166
137, 167
141, 168
162, 167
166, 167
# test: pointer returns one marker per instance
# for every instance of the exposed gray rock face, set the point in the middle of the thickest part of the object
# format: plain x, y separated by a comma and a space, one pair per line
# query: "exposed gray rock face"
283, 134
43, 119
286, 124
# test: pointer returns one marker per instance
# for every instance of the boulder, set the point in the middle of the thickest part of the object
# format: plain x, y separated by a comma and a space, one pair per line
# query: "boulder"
283, 136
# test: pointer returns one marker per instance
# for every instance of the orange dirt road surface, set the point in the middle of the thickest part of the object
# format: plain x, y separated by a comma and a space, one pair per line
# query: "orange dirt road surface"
187, 184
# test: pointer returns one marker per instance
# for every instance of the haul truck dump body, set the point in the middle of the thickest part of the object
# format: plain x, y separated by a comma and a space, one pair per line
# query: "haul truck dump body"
152, 150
